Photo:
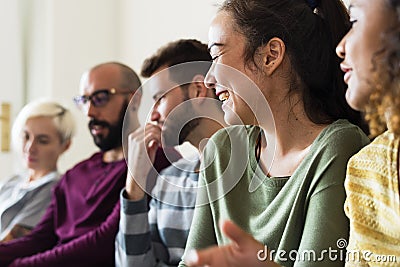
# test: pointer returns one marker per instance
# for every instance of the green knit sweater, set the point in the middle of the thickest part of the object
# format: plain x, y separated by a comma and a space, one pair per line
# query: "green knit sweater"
302, 214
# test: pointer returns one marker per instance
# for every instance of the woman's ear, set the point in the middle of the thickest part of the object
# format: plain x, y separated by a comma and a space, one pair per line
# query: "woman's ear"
273, 53
66, 145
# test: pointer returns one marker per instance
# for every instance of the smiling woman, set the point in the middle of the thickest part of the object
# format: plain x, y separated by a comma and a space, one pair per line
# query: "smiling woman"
371, 60
41, 132
275, 69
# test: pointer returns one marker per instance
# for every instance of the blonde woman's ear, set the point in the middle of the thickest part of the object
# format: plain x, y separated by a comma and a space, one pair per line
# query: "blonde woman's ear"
67, 145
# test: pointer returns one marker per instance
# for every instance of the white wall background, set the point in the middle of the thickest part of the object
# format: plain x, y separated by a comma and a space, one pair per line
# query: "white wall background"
11, 72
47, 44
152, 23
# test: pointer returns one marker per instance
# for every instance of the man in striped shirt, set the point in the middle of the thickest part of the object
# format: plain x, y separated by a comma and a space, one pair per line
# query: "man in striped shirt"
184, 110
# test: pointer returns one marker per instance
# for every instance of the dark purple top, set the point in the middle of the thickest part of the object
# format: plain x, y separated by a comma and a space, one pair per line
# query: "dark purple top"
80, 225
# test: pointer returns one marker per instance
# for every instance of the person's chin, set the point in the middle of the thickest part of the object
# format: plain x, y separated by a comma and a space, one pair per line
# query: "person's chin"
97, 139
31, 165
354, 102
232, 119
170, 142
169, 139
100, 142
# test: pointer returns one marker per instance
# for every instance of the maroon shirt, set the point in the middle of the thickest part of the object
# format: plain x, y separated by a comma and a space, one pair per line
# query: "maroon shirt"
81, 223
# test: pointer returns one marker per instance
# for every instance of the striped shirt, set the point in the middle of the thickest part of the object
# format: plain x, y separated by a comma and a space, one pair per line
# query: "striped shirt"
157, 236
373, 204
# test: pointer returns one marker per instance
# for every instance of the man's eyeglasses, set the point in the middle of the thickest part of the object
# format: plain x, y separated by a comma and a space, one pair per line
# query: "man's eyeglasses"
98, 99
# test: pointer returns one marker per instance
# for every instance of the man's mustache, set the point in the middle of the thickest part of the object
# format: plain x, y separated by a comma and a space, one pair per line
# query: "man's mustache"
94, 122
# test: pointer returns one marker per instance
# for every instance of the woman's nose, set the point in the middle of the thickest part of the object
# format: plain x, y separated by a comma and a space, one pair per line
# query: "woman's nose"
29, 146
340, 48
209, 80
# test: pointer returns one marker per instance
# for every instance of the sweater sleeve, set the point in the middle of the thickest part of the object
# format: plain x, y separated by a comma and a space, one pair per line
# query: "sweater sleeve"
96, 244
34, 209
133, 243
40, 239
202, 231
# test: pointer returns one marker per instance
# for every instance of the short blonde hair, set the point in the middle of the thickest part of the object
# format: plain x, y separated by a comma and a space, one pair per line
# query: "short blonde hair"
62, 118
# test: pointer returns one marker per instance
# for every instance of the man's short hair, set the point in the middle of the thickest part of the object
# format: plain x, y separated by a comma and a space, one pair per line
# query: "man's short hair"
177, 52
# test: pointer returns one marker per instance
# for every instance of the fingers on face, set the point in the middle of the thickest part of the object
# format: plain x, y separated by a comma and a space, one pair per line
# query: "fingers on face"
146, 134
152, 135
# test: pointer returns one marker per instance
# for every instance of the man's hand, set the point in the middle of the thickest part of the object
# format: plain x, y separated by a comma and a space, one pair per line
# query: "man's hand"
243, 251
142, 148
16, 232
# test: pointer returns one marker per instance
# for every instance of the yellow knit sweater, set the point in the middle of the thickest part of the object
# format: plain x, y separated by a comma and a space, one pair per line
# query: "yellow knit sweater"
372, 204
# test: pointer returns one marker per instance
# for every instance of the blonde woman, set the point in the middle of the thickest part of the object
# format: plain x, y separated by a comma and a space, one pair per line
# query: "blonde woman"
42, 132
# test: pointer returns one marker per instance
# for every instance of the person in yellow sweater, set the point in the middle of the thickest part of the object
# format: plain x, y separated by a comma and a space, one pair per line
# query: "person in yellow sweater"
371, 62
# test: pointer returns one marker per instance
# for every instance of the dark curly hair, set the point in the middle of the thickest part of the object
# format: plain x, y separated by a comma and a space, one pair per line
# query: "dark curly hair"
383, 109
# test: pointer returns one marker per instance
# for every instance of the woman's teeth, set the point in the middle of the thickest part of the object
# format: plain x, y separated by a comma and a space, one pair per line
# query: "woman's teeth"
223, 96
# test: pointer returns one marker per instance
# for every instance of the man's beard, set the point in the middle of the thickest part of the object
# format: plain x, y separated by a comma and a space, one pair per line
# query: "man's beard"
174, 134
187, 129
114, 137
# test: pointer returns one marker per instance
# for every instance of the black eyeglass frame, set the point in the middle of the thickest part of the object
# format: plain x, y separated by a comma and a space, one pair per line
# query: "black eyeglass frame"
82, 100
